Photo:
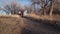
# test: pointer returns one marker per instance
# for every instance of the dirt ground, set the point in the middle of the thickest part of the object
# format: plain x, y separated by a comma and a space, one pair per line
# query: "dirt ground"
38, 27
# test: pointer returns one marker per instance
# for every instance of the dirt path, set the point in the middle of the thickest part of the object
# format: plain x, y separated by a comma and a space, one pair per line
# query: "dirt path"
33, 27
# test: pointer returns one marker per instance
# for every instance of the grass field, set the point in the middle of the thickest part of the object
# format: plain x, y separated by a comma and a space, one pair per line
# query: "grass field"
10, 24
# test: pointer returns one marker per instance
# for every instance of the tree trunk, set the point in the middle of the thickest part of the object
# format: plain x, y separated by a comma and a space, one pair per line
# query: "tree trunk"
51, 10
52, 6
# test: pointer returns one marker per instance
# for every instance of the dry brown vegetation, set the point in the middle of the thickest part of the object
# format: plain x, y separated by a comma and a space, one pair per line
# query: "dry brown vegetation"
54, 19
10, 25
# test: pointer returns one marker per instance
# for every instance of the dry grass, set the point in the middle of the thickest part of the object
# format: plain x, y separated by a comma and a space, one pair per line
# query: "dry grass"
10, 25
53, 19
45, 17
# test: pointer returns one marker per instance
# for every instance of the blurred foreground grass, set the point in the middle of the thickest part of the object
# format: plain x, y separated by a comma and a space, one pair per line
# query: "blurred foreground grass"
10, 25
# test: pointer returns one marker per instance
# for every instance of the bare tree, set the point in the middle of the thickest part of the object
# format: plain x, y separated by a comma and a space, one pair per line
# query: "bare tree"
13, 8
47, 6
43, 4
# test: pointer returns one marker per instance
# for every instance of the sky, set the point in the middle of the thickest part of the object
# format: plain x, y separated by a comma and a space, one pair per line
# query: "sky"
24, 2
